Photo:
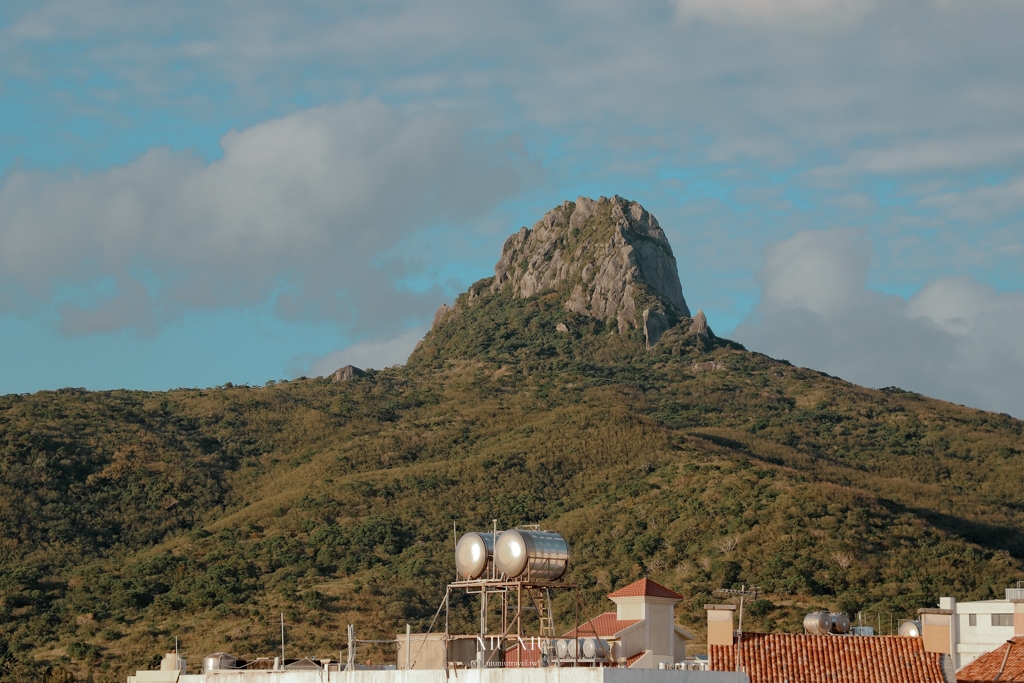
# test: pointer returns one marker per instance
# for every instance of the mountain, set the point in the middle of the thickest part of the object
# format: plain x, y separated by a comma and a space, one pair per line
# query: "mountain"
130, 518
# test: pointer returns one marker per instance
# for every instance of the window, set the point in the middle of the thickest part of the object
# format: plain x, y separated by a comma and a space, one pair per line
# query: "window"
1002, 620
972, 619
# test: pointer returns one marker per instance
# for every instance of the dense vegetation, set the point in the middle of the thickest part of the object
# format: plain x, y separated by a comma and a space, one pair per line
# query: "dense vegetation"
130, 518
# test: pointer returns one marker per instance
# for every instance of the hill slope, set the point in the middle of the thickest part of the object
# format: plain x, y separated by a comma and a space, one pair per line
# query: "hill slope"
129, 518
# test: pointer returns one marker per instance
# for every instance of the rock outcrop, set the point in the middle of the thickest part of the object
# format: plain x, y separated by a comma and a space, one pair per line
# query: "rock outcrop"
610, 256
699, 326
346, 373
655, 324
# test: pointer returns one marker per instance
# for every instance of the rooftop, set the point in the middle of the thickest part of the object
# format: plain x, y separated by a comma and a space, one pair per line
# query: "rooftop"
645, 588
779, 657
988, 665
605, 625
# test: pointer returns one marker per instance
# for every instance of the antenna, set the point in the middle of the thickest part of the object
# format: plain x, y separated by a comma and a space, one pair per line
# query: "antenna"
743, 592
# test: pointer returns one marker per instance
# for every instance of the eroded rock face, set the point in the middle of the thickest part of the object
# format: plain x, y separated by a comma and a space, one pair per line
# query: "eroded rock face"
606, 254
655, 324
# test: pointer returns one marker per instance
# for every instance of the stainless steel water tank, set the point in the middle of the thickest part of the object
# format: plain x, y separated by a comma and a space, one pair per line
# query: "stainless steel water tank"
562, 648
473, 553
217, 661
911, 629
818, 623
595, 648
532, 555
840, 622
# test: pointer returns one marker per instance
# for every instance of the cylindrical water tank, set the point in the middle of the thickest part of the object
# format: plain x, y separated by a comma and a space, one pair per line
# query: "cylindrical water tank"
572, 648
911, 629
818, 623
532, 555
218, 660
595, 648
840, 622
562, 648
473, 553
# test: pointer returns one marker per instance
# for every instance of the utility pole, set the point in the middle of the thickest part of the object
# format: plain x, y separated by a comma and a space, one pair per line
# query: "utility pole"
351, 648
743, 592
282, 638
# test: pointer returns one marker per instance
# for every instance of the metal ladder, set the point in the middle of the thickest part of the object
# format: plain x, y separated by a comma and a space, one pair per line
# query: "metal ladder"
545, 613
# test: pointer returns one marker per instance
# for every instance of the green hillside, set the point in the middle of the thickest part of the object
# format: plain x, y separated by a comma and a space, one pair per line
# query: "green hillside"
130, 518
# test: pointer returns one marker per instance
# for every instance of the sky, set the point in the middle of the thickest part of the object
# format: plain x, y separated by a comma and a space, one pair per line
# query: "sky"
200, 193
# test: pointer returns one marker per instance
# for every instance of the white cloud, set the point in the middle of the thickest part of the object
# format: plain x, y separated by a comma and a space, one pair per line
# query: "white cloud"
779, 13
370, 353
317, 210
819, 271
955, 339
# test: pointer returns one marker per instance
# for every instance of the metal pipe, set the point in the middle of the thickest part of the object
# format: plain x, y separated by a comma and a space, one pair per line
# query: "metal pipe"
1002, 667
408, 647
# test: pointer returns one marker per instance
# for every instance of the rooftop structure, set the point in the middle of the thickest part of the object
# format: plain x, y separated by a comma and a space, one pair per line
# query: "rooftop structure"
641, 631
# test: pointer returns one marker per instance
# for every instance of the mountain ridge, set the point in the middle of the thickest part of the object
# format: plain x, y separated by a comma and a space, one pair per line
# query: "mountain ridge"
130, 518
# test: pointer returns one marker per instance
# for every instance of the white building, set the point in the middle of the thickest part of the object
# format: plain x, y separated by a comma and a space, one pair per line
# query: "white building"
981, 626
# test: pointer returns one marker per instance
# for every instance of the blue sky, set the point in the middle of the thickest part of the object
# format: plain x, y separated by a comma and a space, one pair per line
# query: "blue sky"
198, 193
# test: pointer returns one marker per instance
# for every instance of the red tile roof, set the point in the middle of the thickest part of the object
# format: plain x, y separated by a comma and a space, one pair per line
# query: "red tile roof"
606, 625
638, 655
645, 588
791, 658
985, 667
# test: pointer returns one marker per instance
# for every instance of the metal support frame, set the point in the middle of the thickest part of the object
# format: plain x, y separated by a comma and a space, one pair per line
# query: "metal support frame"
513, 607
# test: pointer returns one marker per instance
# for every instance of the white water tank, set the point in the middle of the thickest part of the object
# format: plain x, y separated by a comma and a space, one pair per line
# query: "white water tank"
172, 661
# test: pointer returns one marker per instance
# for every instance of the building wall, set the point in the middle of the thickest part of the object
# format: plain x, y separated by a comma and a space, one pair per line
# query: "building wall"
627, 609
935, 630
720, 627
539, 675
633, 640
426, 651
679, 649
660, 627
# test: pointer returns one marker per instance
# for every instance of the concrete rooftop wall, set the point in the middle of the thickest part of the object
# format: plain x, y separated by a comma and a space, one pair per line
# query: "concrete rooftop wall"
537, 675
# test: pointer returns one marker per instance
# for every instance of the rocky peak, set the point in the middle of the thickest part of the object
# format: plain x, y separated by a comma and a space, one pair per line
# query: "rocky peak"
346, 373
699, 326
609, 256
